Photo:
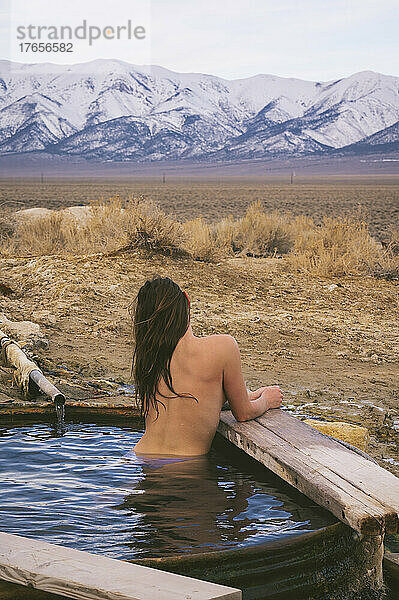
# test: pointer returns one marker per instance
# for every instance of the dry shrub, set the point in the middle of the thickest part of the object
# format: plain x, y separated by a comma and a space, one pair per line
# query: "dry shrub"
300, 226
7, 226
151, 229
43, 235
337, 247
392, 243
256, 234
225, 232
107, 227
201, 242
388, 265
137, 224
262, 234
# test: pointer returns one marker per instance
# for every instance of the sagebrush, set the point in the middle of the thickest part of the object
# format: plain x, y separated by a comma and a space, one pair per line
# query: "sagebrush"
336, 246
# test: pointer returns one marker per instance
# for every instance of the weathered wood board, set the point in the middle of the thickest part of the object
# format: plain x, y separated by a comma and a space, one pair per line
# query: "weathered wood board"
356, 490
103, 406
85, 576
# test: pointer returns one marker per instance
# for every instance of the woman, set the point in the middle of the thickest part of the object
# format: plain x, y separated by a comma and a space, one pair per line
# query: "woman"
182, 380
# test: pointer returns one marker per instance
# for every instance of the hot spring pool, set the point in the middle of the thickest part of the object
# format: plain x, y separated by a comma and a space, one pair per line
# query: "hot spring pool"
87, 490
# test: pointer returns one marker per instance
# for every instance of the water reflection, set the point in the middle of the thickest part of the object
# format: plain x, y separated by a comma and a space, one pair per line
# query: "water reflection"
82, 487
205, 504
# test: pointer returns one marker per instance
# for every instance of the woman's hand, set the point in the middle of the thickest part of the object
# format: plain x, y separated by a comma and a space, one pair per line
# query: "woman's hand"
271, 394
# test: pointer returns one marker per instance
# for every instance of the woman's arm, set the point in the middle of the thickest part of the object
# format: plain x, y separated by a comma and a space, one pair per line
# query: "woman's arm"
245, 405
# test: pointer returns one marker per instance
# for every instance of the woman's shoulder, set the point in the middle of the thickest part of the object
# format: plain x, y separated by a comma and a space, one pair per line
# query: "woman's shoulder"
219, 343
213, 352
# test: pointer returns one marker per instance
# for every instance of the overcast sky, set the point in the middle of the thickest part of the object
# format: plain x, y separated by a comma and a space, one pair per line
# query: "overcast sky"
310, 39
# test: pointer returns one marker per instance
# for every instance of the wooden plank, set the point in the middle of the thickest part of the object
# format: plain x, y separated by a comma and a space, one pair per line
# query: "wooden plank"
311, 476
375, 481
107, 406
85, 576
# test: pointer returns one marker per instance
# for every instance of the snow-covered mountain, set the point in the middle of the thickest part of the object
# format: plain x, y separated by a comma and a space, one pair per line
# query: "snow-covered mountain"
111, 110
386, 140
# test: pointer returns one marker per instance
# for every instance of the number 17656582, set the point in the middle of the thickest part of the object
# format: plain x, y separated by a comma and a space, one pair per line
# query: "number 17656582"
46, 47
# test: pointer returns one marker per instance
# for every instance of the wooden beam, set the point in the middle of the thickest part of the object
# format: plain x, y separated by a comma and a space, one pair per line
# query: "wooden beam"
85, 576
377, 482
105, 406
354, 489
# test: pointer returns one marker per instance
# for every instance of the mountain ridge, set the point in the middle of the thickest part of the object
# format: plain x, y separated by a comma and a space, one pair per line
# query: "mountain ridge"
111, 110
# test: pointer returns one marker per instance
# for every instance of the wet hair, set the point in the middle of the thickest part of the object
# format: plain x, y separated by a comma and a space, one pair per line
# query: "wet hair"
161, 314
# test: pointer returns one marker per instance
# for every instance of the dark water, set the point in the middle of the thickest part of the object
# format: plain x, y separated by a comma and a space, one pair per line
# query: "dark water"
87, 490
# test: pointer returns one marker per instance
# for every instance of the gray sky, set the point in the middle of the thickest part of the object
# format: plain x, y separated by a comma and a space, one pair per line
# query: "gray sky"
310, 39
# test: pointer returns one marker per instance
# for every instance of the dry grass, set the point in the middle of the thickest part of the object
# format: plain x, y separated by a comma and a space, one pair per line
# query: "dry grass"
45, 235
336, 247
107, 228
264, 234
7, 224
339, 246
201, 242
216, 199
257, 233
393, 240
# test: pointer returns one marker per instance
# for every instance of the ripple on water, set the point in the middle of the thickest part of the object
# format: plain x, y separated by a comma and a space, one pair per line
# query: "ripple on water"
87, 490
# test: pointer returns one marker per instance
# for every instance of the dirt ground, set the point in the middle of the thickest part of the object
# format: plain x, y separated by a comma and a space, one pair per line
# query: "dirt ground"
331, 344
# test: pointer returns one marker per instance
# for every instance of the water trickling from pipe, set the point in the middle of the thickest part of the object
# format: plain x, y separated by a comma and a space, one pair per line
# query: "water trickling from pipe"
60, 412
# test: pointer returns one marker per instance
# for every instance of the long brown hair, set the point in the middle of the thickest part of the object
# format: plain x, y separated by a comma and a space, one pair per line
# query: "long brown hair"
161, 318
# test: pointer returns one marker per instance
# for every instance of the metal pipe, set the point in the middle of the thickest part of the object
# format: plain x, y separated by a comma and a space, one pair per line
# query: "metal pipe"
36, 379
46, 387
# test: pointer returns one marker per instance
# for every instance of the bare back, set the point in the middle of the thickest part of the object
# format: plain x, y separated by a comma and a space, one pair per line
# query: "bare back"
209, 369
186, 426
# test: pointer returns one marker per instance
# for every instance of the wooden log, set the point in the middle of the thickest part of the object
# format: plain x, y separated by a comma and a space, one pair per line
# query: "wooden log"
85, 576
321, 468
